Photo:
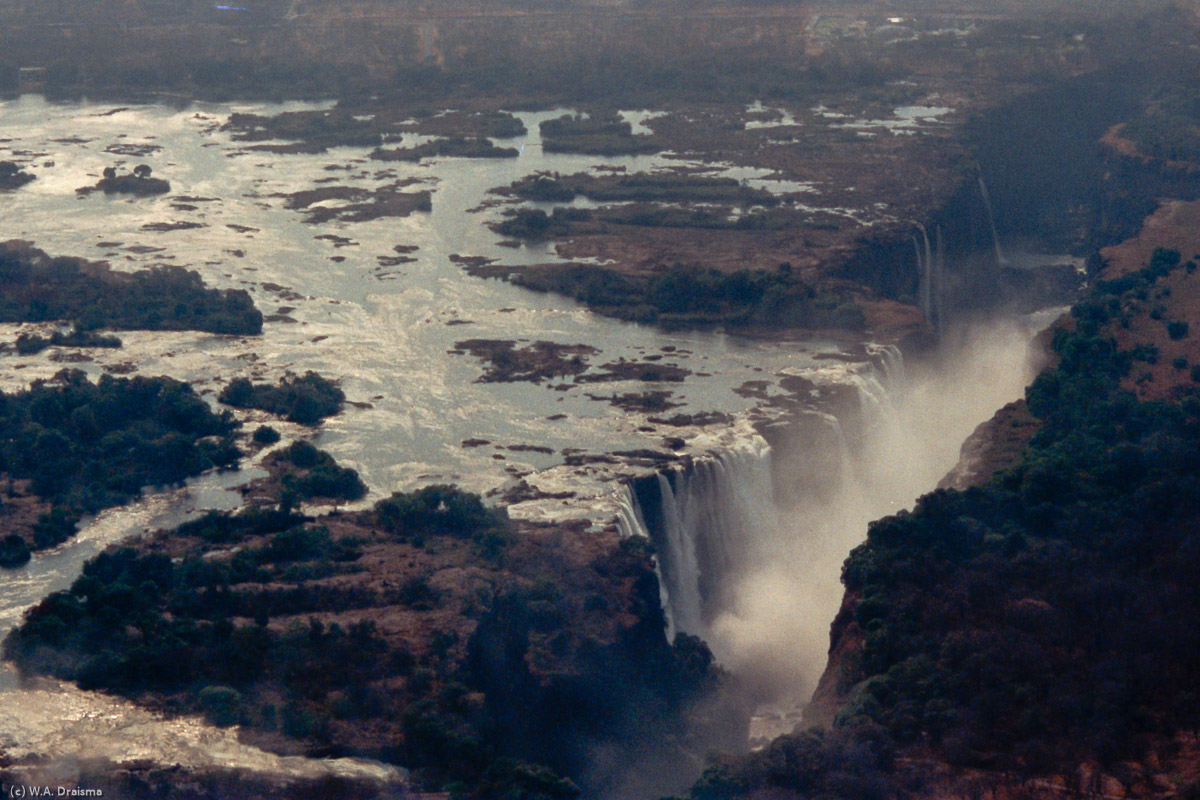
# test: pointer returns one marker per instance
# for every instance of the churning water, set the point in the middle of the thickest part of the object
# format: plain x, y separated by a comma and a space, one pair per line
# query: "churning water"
750, 567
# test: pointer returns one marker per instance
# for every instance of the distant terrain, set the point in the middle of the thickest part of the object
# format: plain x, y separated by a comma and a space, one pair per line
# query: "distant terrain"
845, 172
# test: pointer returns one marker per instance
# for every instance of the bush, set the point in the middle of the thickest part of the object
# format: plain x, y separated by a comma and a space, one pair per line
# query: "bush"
321, 476
54, 528
14, 552
221, 704
265, 434
438, 509
1177, 330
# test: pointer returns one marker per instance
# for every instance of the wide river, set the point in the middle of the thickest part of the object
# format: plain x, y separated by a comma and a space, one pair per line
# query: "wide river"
383, 331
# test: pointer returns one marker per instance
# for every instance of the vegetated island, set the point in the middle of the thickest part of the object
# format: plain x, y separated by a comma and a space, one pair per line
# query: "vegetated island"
692, 295
505, 362
69, 446
138, 183
35, 287
455, 146
302, 472
456, 133
28, 344
1029, 634
492, 658
361, 204
601, 134
12, 176
667, 186
306, 399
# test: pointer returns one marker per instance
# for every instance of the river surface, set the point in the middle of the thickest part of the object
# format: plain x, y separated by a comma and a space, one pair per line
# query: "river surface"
382, 329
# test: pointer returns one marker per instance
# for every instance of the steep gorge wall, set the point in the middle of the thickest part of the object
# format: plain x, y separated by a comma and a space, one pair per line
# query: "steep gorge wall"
1046, 172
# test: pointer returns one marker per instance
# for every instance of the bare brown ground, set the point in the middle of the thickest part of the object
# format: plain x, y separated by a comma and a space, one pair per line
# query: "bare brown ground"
1176, 226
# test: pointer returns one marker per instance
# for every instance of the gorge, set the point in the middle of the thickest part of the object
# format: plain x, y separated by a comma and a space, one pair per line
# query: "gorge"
689, 352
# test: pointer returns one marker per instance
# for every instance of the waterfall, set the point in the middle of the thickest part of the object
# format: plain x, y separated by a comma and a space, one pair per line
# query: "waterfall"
939, 271
750, 541
632, 522
923, 284
888, 359
748, 559
987, 204
712, 515
925, 266
929, 268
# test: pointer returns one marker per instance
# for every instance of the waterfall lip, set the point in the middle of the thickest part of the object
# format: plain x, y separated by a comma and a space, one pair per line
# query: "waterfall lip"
752, 566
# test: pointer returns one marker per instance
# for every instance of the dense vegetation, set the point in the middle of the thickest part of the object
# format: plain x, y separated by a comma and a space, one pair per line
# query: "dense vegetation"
1169, 128
640, 186
1036, 622
555, 663
85, 446
457, 146
29, 344
37, 288
306, 399
598, 134
692, 295
311, 473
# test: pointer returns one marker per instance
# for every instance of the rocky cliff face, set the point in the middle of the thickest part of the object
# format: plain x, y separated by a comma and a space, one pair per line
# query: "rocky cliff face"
1138, 326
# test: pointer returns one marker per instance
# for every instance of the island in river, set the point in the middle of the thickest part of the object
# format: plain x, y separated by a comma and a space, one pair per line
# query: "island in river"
808, 186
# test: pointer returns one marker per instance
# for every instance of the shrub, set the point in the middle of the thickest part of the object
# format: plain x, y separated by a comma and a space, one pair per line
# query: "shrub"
322, 477
438, 509
265, 434
221, 704
14, 552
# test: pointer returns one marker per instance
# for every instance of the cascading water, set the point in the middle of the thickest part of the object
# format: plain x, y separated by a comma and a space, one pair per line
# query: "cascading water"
753, 568
939, 272
711, 518
925, 265
987, 204
922, 272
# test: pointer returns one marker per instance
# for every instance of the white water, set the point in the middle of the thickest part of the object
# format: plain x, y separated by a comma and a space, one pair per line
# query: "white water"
928, 286
755, 573
384, 332
991, 216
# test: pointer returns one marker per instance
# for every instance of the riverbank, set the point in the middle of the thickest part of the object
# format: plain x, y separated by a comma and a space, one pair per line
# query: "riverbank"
428, 631
1109, 425
803, 186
